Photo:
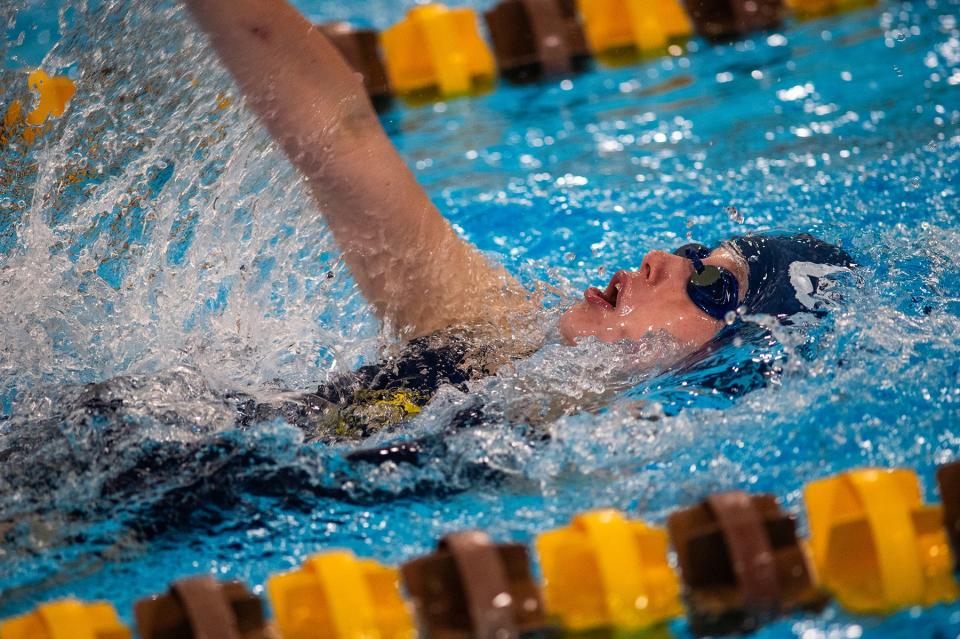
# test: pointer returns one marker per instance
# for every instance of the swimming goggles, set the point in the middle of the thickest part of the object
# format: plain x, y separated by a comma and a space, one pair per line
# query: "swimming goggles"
714, 289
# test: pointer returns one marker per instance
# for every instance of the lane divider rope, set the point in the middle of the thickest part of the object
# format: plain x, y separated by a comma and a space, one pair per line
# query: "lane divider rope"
874, 546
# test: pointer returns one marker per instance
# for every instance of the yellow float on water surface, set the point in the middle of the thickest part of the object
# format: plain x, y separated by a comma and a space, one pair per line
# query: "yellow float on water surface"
647, 25
66, 619
437, 47
604, 570
337, 596
54, 92
54, 95
875, 545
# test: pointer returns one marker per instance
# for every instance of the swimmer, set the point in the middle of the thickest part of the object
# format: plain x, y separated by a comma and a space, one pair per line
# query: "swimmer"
431, 286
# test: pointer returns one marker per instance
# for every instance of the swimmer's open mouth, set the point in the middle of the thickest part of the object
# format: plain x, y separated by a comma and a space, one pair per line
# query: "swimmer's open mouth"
608, 298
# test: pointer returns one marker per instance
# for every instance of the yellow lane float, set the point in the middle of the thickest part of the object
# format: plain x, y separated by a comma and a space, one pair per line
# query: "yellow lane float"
337, 596
875, 545
605, 571
647, 25
437, 48
66, 619
54, 95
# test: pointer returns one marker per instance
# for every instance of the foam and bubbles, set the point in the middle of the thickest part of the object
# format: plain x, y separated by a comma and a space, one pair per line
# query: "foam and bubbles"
158, 254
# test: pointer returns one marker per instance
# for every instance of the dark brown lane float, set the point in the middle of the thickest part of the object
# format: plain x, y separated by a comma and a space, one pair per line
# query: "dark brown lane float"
361, 48
201, 608
471, 588
741, 563
725, 19
536, 38
948, 480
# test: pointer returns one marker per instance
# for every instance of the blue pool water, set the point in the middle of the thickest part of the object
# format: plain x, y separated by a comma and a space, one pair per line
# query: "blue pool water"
159, 243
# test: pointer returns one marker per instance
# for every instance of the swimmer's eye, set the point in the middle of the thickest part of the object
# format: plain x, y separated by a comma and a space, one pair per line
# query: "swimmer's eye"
714, 289
706, 276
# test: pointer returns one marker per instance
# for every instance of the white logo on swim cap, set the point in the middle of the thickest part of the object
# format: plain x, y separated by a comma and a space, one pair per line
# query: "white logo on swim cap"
802, 275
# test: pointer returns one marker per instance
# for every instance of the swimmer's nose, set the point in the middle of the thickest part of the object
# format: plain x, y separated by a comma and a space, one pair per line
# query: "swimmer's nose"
657, 267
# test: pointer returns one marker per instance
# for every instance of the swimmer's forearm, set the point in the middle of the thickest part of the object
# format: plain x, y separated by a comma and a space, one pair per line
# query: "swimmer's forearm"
406, 259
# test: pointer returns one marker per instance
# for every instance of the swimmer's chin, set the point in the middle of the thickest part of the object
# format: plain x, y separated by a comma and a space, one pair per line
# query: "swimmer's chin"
568, 330
584, 320
575, 328
577, 324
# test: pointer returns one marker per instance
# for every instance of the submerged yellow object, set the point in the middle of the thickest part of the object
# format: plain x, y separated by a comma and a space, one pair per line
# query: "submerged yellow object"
647, 25
875, 545
337, 596
437, 47
66, 619
402, 399
606, 571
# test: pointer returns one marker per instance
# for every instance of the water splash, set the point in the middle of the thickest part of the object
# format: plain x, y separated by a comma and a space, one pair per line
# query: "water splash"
157, 245
160, 227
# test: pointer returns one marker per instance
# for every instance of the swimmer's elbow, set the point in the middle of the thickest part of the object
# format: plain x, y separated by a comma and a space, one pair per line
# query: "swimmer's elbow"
354, 119
320, 135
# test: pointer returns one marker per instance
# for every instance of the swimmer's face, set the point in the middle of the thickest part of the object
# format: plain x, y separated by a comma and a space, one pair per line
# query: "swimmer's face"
651, 299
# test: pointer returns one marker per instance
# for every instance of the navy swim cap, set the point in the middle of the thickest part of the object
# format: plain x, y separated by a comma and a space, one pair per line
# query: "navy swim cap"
788, 272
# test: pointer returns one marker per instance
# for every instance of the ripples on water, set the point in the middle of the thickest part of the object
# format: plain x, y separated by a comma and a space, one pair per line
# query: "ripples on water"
158, 246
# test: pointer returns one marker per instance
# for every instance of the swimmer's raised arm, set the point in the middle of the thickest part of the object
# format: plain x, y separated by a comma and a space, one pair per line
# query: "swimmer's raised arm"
407, 260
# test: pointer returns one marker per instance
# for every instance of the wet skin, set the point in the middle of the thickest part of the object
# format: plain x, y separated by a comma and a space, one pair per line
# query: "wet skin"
649, 299
393, 238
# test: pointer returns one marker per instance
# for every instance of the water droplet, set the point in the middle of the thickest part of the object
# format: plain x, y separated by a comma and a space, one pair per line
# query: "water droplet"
931, 145
898, 71
734, 214
901, 36
915, 182
730, 318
